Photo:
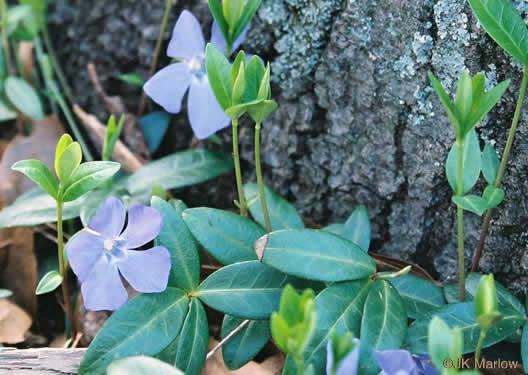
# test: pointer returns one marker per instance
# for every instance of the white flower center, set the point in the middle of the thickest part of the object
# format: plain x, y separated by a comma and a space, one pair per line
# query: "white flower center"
195, 65
109, 244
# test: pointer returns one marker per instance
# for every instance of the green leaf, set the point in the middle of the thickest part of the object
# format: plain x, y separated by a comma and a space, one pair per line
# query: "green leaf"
194, 337
240, 60
175, 236
505, 298
264, 91
152, 322
63, 143
478, 84
283, 214
462, 315
24, 97
490, 163
87, 177
49, 282
419, 296
250, 290
254, 73
472, 203
524, 347
446, 102
154, 126
39, 173
5, 293
218, 14
357, 228
15, 15
504, 24
141, 365
383, 326
493, 196
113, 131
339, 310
180, 169
471, 163
259, 111
336, 228
486, 303
132, 78
315, 255
219, 73
225, 235
249, 12
464, 102
69, 160
37, 19
444, 343
488, 102
235, 111
233, 10
246, 344
239, 86
6, 113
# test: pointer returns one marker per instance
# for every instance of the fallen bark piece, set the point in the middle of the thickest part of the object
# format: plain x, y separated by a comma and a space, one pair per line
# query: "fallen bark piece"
44, 361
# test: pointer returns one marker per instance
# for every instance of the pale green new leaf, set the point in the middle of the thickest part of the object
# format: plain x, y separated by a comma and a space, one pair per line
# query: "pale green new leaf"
39, 173
493, 196
472, 203
446, 102
219, 73
69, 161
49, 282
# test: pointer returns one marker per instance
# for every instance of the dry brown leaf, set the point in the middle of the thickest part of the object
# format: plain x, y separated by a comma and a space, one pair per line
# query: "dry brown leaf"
18, 267
215, 365
25, 54
14, 322
39, 145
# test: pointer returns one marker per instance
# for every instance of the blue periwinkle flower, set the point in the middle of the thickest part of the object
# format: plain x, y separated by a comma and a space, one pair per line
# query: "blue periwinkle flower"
346, 366
168, 86
100, 254
401, 362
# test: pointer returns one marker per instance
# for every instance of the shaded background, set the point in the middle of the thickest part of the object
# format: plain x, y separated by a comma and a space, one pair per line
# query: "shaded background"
358, 122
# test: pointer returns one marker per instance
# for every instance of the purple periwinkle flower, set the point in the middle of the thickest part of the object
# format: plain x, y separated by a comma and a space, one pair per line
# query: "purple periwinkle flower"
168, 86
401, 362
348, 365
101, 253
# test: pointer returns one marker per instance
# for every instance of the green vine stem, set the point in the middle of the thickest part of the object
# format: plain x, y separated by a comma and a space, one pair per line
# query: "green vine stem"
502, 168
460, 215
259, 178
63, 270
5, 41
241, 199
56, 66
480, 344
157, 49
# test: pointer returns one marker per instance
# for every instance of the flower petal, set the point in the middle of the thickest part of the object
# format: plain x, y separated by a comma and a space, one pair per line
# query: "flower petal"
144, 224
217, 38
147, 271
84, 250
395, 361
103, 288
109, 220
349, 364
205, 114
187, 38
168, 86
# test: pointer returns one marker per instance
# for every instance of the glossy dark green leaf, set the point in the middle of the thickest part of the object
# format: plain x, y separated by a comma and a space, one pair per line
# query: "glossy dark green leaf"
132, 78
462, 315
87, 177
24, 97
283, 214
154, 126
225, 235
39, 173
339, 310
180, 169
315, 255
218, 14
49, 282
176, 237
419, 296
194, 337
357, 228
524, 347
219, 73
493, 196
471, 163
250, 290
5, 293
383, 325
336, 228
141, 365
490, 164
472, 203
446, 102
152, 322
504, 24
246, 344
